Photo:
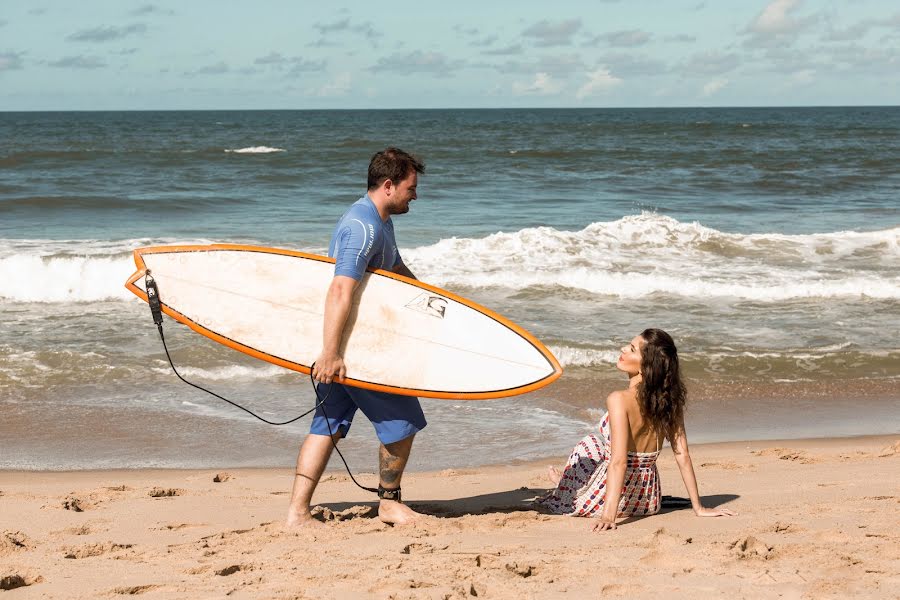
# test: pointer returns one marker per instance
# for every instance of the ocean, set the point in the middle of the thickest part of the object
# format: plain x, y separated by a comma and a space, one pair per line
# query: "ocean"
765, 240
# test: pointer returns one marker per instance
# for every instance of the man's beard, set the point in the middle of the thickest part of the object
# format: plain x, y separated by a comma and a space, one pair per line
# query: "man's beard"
400, 208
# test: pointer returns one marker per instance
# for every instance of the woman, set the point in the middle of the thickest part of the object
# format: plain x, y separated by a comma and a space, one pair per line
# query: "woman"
617, 466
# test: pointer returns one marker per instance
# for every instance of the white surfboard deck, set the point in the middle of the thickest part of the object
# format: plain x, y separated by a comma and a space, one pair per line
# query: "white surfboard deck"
402, 336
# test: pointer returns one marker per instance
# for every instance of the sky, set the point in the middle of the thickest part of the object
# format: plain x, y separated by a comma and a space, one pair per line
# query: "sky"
230, 54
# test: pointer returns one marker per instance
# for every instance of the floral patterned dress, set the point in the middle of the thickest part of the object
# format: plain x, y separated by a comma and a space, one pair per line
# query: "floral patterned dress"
582, 488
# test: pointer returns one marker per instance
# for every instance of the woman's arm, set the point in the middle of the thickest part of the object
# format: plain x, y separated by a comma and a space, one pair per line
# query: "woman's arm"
619, 432
686, 466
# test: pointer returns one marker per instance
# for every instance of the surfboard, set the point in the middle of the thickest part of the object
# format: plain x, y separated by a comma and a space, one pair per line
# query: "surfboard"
402, 336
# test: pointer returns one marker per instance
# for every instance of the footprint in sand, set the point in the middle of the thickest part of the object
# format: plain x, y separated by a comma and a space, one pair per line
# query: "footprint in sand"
891, 450
118, 488
225, 535
134, 590
662, 537
13, 541
178, 526
521, 570
14, 581
664, 547
165, 492
232, 569
752, 547
786, 454
89, 550
81, 530
75, 504
415, 548
82, 501
625, 590
421, 548
726, 465
780, 527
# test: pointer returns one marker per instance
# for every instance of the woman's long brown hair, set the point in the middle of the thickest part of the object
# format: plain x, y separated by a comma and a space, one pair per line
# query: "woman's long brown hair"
661, 394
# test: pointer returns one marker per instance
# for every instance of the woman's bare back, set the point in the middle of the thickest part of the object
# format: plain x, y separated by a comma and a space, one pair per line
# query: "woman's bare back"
643, 437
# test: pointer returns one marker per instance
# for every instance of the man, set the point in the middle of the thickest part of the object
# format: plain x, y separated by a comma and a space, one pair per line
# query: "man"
364, 237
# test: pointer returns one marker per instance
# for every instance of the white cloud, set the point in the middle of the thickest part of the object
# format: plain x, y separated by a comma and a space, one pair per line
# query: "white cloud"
599, 81
804, 77
152, 9
864, 59
505, 51
543, 85
553, 33
778, 25
106, 33
339, 86
434, 63
625, 39
10, 61
681, 37
555, 65
218, 68
633, 64
713, 87
776, 18
78, 62
712, 62
296, 64
848, 34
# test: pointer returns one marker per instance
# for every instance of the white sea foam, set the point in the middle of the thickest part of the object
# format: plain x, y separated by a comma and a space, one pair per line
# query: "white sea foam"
69, 270
650, 254
583, 357
254, 150
80, 279
227, 372
633, 257
570, 356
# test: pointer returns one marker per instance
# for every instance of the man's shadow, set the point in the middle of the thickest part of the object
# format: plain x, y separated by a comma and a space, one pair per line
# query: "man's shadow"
518, 500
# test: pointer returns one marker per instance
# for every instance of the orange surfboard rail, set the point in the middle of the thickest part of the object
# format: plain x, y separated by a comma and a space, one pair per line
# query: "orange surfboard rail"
141, 266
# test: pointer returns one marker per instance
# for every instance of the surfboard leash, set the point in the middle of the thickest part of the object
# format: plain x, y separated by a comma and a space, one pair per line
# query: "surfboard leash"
321, 403
156, 310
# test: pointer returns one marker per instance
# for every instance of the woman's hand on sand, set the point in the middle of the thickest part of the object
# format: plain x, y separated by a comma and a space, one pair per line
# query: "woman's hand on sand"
714, 512
603, 525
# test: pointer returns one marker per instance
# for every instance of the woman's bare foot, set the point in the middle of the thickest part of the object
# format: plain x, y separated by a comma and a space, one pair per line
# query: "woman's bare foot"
554, 475
396, 513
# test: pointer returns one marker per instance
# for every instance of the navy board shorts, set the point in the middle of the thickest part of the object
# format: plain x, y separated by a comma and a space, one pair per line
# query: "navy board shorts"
394, 417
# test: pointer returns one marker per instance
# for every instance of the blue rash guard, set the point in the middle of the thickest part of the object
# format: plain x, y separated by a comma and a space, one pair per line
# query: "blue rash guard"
361, 240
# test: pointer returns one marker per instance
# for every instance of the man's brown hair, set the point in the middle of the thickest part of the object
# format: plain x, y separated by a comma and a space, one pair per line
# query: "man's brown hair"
394, 164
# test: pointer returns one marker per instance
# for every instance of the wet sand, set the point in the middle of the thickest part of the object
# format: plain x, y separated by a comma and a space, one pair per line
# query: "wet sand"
72, 435
817, 519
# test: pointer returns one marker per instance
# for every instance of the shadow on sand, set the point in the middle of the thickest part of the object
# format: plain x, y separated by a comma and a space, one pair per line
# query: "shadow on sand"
514, 501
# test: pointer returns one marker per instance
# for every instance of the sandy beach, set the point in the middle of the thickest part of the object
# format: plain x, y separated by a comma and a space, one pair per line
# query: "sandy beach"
817, 519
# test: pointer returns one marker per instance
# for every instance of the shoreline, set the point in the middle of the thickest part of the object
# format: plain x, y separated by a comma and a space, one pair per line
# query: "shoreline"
181, 433
817, 518
335, 466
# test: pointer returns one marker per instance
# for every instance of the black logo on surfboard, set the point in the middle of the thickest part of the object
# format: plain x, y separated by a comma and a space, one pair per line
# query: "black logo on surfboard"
429, 304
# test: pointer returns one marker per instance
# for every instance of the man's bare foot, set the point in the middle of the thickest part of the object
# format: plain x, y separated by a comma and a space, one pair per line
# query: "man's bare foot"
302, 520
397, 513
554, 475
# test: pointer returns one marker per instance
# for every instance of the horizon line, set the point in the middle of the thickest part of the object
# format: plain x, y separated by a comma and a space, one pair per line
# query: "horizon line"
680, 107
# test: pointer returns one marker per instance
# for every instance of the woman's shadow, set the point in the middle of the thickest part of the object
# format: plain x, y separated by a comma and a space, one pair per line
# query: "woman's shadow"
518, 500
